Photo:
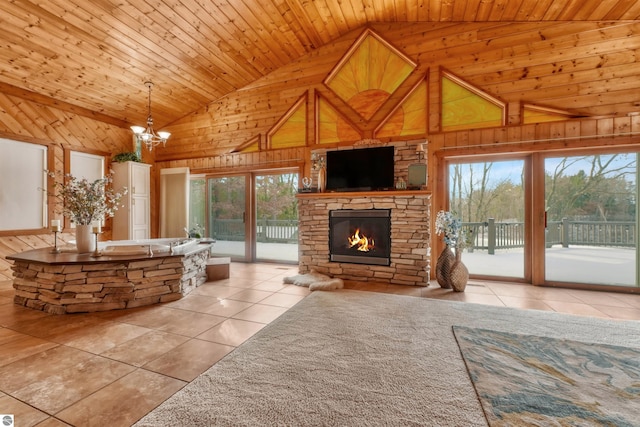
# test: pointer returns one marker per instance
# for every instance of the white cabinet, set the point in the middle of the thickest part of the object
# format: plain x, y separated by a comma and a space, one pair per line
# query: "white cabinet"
132, 219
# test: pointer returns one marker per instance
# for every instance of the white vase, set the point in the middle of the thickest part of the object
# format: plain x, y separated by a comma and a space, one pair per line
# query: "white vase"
84, 238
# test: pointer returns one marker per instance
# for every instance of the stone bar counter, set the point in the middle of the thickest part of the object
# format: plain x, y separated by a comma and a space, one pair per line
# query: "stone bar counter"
123, 276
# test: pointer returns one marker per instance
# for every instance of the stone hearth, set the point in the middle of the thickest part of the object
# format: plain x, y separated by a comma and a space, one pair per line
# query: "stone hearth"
78, 283
410, 237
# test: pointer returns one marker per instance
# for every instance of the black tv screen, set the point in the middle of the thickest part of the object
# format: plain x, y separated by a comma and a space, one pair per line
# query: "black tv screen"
365, 169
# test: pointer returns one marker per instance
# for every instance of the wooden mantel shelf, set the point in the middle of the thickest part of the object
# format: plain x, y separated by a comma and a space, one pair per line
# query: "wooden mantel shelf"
353, 194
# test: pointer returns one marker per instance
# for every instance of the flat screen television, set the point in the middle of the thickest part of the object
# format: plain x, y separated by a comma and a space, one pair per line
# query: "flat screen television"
364, 169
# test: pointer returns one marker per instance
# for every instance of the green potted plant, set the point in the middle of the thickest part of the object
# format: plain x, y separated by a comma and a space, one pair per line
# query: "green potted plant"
128, 156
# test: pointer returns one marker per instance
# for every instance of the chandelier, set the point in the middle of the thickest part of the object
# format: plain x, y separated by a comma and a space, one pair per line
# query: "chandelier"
148, 136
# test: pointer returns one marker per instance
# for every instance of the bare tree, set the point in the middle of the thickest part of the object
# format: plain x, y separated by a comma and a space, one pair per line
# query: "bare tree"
474, 193
455, 199
600, 187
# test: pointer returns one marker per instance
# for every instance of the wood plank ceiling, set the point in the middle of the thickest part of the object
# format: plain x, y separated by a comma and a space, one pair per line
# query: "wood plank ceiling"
93, 57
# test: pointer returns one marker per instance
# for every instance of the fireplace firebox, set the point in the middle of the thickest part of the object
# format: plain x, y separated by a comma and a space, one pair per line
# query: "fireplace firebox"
360, 236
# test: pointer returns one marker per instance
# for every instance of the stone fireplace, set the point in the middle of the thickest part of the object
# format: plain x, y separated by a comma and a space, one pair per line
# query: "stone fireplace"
406, 260
409, 247
360, 236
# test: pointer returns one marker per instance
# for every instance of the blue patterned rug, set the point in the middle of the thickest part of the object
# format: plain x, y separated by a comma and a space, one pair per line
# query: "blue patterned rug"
539, 381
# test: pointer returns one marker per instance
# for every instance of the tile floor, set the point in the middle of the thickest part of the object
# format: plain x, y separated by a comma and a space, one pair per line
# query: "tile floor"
110, 369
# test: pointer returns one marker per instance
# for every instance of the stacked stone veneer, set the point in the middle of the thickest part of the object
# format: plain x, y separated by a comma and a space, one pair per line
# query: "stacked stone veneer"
410, 250
101, 286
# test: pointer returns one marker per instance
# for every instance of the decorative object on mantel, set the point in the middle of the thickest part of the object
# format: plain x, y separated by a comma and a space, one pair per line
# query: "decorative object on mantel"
86, 203
318, 163
417, 175
306, 185
322, 180
417, 172
315, 281
148, 136
450, 270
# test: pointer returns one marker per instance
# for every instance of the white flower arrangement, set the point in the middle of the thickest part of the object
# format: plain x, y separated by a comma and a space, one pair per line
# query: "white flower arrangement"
85, 202
451, 226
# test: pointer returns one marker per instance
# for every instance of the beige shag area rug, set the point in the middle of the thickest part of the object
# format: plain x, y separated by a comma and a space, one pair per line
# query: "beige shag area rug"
315, 281
354, 358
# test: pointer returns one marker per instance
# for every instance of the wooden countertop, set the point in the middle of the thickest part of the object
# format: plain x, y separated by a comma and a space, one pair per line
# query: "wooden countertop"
44, 256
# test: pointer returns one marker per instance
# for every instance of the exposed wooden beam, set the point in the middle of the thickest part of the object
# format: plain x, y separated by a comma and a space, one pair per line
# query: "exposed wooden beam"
64, 106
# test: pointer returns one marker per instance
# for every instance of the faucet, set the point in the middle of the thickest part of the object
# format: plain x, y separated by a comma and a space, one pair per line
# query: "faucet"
172, 247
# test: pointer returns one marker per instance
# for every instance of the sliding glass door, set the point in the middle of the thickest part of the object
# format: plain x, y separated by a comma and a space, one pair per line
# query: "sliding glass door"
276, 216
585, 227
227, 215
489, 198
252, 217
591, 219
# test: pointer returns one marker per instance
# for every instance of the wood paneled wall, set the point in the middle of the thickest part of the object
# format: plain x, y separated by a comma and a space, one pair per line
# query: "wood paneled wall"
27, 121
587, 68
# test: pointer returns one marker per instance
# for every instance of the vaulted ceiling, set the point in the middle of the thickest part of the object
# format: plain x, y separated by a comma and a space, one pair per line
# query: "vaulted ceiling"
93, 57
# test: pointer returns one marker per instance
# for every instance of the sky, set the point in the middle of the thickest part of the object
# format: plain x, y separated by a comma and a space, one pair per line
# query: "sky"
511, 170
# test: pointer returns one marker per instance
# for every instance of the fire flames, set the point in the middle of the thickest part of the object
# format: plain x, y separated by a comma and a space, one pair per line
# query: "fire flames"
361, 242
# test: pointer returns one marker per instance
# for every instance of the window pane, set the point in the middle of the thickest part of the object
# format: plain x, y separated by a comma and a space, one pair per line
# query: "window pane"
22, 195
591, 219
488, 197
277, 217
198, 206
227, 215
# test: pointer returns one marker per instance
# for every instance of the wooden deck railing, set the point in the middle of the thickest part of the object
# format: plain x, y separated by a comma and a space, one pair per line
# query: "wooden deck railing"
267, 230
492, 235
489, 235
